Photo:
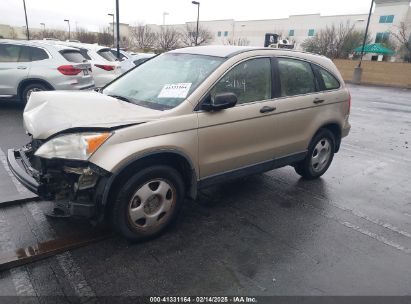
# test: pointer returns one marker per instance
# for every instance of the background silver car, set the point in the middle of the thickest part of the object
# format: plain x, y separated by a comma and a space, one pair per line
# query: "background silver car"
135, 60
28, 66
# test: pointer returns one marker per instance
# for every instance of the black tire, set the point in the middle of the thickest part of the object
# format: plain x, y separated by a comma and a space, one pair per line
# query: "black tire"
31, 87
128, 199
306, 168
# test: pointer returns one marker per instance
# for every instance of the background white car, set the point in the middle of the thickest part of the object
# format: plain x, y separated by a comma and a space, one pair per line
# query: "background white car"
105, 66
134, 60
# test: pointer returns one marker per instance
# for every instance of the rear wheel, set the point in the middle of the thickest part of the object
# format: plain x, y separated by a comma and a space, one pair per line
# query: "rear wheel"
319, 156
34, 87
148, 203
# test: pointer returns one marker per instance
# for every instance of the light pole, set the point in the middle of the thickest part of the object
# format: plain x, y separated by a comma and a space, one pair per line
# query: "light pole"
366, 33
118, 29
114, 40
68, 22
164, 17
358, 69
198, 17
44, 28
27, 23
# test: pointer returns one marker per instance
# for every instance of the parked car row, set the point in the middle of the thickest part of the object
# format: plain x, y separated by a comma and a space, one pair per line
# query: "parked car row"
42, 65
104, 64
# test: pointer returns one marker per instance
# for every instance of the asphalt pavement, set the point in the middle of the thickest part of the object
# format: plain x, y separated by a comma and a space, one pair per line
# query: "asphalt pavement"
347, 233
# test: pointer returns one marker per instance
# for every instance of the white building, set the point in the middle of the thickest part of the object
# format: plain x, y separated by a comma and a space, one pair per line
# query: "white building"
387, 16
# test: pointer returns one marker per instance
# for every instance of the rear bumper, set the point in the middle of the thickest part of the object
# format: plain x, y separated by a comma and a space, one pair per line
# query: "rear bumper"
346, 128
22, 170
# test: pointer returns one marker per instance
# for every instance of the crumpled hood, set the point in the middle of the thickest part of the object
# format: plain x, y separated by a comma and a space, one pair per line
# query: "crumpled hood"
48, 113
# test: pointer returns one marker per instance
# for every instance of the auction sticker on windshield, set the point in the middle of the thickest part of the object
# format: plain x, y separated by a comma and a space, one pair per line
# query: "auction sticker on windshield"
175, 90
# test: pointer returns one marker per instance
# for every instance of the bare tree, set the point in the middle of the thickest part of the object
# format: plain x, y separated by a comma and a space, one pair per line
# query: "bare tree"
47, 33
335, 42
56, 34
104, 37
85, 36
188, 37
12, 33
143, 36
238, 41
168, 38
125, 42
403, 36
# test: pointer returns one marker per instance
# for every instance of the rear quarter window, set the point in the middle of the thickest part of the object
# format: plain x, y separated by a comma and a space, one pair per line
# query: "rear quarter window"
37, 54
330, 81
73, 56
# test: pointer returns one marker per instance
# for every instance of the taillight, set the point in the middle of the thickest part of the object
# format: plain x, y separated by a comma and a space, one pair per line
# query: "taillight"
105, 67
68, 70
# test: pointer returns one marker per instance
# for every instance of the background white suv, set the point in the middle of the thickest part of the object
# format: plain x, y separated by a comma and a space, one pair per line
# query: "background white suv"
29, 66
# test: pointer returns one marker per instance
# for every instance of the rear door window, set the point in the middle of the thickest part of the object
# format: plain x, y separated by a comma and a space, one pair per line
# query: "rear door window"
24, 54
296, 77
73, 56
107, 54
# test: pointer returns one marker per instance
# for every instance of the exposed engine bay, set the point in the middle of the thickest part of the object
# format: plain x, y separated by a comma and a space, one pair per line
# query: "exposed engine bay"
71, 184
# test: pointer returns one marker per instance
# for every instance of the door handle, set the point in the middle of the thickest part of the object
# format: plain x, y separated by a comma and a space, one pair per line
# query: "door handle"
318, 100
21, 67
267, 109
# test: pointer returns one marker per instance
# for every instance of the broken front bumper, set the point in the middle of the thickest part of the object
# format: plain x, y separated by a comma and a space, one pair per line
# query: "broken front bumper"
22, 170
77, 186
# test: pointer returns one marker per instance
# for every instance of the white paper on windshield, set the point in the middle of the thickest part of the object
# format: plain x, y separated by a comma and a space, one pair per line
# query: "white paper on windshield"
175, 90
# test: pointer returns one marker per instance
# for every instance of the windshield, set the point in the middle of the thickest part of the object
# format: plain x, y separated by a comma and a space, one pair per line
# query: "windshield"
165, 81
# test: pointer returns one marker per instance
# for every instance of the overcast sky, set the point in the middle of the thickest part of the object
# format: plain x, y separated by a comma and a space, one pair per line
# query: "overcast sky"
92, 14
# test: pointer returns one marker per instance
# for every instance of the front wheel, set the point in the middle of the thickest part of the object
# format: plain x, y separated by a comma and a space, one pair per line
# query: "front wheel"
147, 203
319, 156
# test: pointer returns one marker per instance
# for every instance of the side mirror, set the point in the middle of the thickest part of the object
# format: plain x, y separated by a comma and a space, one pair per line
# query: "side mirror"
220, 101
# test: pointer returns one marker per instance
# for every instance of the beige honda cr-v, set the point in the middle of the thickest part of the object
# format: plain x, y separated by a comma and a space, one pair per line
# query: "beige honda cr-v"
183, 120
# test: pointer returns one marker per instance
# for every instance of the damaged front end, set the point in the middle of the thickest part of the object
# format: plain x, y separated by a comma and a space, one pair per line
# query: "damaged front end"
76, 186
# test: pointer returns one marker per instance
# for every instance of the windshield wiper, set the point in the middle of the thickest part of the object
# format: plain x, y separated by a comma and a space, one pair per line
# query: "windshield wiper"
121, 98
